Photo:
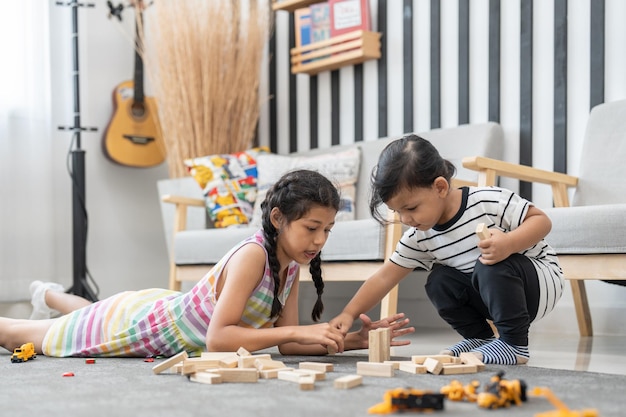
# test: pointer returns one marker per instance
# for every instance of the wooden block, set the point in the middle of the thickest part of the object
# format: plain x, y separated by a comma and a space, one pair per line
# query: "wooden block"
459, 369
192, 365
267, 364
248, 361
331, 350
433, 366
396, 364
216, 355
272, 373
317, 375
243, 352
206, 378
471, 359
379, 345
483, 231
238, 374
231, 361
420, 359
374, 369
348, 381
169, 362
307, 383
413, 368
317, 366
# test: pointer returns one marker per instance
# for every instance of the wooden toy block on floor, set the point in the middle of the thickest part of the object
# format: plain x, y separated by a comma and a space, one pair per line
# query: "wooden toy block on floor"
434, 366
374, 369
471, 359
379, 345
348, 381
268, 364
243, 352
238, 374
482, 231
272, 373
248, 361
206, 378
457, 369
412, 368
168, 363
420, 359
317, 375
305, 382
317, 366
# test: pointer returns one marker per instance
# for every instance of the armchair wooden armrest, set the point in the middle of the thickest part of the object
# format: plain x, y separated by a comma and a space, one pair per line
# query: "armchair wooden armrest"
180, 217
488, 169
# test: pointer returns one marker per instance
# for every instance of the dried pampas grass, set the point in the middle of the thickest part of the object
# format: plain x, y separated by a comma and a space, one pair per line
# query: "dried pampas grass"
203, 58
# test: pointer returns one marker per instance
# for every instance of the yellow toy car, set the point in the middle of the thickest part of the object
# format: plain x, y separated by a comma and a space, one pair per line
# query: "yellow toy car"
24, 353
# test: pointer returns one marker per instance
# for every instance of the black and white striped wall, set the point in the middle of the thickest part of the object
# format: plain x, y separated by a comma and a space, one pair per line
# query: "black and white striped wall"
537, 67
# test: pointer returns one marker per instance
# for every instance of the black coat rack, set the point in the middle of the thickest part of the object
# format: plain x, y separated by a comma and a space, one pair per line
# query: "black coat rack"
80, 286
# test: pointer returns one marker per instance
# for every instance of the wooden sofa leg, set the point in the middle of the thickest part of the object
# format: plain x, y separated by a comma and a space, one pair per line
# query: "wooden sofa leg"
583, 315
389, 304
174, 284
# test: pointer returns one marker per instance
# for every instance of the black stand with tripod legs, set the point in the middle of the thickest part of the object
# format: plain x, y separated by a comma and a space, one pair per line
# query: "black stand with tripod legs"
80, 286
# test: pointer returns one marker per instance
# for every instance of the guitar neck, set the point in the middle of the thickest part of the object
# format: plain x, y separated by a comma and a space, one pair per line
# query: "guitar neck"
138, 87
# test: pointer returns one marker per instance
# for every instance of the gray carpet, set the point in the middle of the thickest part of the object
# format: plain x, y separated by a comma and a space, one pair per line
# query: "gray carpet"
128, 387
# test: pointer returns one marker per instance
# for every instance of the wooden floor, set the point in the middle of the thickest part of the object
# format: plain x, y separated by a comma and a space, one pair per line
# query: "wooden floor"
604, 354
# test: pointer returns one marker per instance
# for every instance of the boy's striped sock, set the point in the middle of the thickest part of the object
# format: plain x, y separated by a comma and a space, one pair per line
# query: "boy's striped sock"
465, 345
501, 353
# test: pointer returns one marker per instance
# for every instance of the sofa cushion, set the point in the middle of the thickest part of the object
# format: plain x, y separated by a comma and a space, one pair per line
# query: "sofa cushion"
588, 229
342, 168
348, 241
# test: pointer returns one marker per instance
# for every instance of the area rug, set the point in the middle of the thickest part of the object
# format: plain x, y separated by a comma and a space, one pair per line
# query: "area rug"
128, 387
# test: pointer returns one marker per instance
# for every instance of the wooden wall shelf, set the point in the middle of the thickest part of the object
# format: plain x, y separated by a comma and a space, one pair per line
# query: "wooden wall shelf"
292, 5
348, 49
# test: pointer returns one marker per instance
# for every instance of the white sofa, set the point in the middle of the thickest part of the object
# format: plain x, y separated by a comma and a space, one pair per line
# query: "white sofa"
355, 247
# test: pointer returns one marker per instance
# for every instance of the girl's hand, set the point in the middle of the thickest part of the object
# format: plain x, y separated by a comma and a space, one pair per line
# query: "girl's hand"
397, 323
321, 334
342, 322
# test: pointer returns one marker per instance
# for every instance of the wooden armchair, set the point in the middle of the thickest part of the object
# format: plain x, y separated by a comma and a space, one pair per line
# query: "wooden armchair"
589, 235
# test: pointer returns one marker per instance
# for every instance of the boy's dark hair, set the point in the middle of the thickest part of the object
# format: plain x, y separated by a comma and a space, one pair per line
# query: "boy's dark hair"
294, 195
409, 162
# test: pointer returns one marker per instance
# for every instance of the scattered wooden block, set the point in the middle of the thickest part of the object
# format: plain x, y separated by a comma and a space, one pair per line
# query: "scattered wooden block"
348, 381
317, 375
272, 373
216, 355
331, 350
412, 368
306, 382
317, 366
168, 363
420, 359
457, 369
396, 364
374, 369
206, 378
379, 345
238, 374
231, 361
267, 364
483, 231
243, 352
248, 361
471, 359
433, 366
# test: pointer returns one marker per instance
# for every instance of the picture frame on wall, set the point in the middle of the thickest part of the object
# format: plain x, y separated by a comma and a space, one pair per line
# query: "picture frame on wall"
348, 16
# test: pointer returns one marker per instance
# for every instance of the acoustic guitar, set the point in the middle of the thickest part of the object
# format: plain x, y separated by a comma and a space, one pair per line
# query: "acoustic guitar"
133, 136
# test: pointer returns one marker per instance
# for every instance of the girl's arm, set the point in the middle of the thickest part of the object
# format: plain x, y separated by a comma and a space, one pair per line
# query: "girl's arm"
371, 293
500, 245
225, 333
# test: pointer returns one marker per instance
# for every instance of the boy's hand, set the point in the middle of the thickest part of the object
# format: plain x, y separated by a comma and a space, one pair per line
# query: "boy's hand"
397, 323
342, 322
495, 248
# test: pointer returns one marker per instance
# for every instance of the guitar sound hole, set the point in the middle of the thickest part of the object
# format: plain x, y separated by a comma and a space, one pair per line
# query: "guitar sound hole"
138, 109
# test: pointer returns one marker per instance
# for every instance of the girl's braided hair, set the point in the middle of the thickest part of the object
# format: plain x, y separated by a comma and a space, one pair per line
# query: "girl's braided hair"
294, 195
409, 162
